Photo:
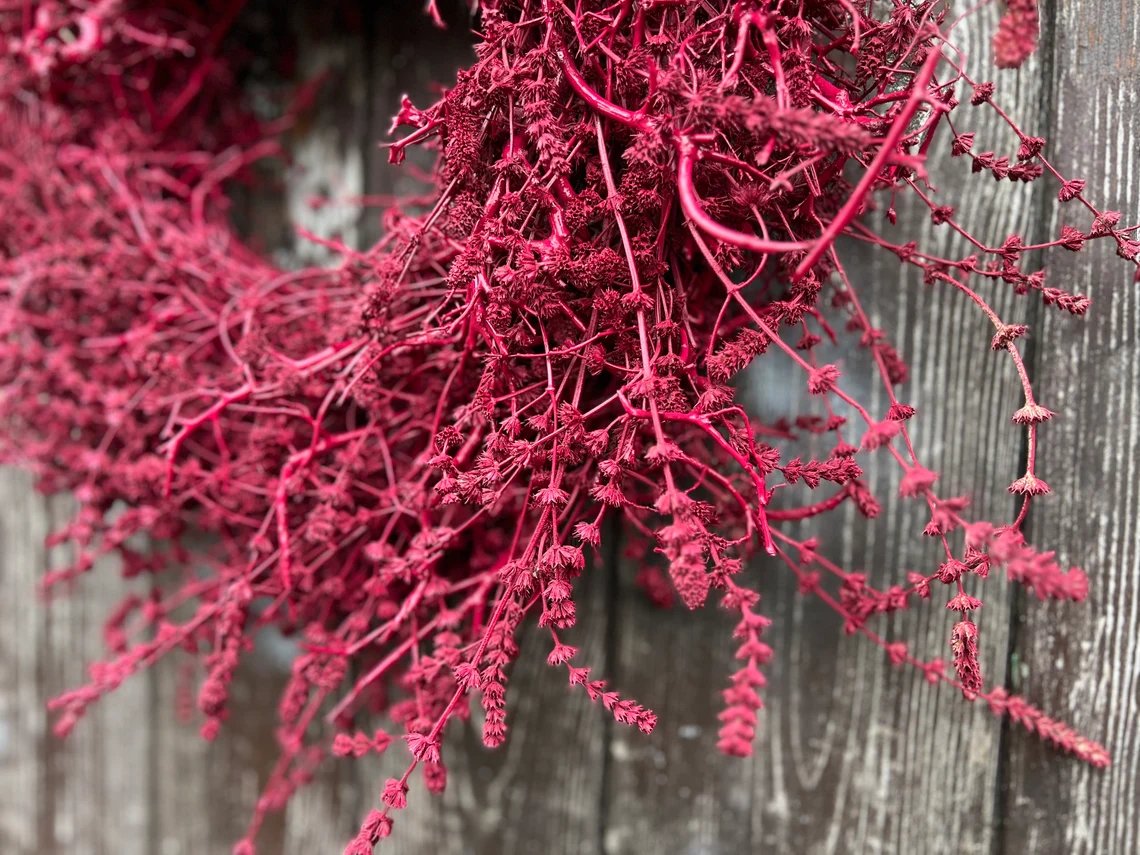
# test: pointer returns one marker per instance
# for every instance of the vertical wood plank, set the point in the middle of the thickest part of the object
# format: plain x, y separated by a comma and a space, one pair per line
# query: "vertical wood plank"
205, 792
368, 55
853, 755
1081, 662
541, 791
397, 51
90, 793
671, 791
873, 758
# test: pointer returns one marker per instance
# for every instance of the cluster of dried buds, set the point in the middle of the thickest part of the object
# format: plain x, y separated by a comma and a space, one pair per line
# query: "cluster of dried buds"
403, 457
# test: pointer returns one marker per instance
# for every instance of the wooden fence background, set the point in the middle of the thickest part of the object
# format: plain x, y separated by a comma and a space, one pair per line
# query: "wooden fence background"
852, 756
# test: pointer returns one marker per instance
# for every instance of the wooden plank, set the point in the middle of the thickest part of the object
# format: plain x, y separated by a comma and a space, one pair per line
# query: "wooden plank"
407, 55
90, 793
876, 759
541, 791
671, 791
852, 756
368, 56
206, 792
1081, 662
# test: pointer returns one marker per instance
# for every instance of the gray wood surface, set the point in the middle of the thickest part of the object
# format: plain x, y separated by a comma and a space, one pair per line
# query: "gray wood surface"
853, 755
1091, 459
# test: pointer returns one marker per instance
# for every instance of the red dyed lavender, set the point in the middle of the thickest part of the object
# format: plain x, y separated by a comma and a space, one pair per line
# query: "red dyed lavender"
406, 457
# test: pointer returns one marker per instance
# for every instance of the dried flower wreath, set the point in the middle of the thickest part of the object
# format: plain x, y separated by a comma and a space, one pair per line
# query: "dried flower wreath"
403, 457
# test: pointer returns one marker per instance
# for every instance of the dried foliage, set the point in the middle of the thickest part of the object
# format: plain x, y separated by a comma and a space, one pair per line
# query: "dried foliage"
405, 456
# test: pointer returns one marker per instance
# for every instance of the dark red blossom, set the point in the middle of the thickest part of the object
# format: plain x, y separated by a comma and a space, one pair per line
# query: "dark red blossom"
1016, 37
964, 645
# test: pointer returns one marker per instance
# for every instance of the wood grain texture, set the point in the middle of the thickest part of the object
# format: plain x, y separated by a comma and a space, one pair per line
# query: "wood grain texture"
853, 756
541, 791
89, 794
204, 793
1082, 663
